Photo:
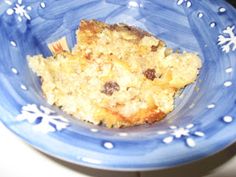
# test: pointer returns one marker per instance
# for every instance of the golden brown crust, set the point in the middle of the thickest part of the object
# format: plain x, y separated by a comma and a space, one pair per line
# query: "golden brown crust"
116, 120
138, 32
89, 29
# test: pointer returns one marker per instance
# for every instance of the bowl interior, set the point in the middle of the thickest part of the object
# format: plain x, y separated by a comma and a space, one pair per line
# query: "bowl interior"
196, 104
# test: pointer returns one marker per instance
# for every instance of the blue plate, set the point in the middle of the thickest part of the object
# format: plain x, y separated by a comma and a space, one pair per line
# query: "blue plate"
203, 121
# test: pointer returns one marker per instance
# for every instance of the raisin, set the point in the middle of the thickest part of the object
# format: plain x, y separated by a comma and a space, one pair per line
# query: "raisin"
150, 74
88, 56
110, 87
154, 48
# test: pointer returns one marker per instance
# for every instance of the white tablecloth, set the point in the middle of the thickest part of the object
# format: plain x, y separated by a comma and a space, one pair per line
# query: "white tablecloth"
18, 159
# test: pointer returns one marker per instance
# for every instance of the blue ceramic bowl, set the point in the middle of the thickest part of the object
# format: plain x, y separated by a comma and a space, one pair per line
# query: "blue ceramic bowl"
203, 121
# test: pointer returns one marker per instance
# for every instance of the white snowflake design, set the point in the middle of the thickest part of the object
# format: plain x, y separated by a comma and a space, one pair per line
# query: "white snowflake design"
44, 119
18, 9
185, 133
227, 41
186, 2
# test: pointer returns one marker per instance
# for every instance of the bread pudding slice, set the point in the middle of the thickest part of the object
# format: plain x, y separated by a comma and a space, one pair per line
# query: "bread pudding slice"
116, 75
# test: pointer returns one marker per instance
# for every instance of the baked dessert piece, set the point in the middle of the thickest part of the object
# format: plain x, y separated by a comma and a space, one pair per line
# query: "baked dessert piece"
116, 75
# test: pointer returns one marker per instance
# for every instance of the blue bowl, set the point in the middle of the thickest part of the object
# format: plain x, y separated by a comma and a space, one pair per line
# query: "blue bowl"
203, 121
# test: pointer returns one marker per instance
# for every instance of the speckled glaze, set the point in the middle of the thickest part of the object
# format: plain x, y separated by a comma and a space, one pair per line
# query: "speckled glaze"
203, 121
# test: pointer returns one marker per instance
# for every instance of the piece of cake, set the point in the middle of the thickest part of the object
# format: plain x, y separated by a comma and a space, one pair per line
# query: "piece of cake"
116, 75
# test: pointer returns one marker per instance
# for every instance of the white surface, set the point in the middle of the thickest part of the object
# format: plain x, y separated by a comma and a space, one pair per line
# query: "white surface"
17, 159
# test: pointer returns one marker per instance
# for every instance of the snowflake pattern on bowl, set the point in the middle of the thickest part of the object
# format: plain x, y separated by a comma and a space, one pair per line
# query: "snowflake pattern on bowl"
227, 41
19, 9
186, 133
43, 119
